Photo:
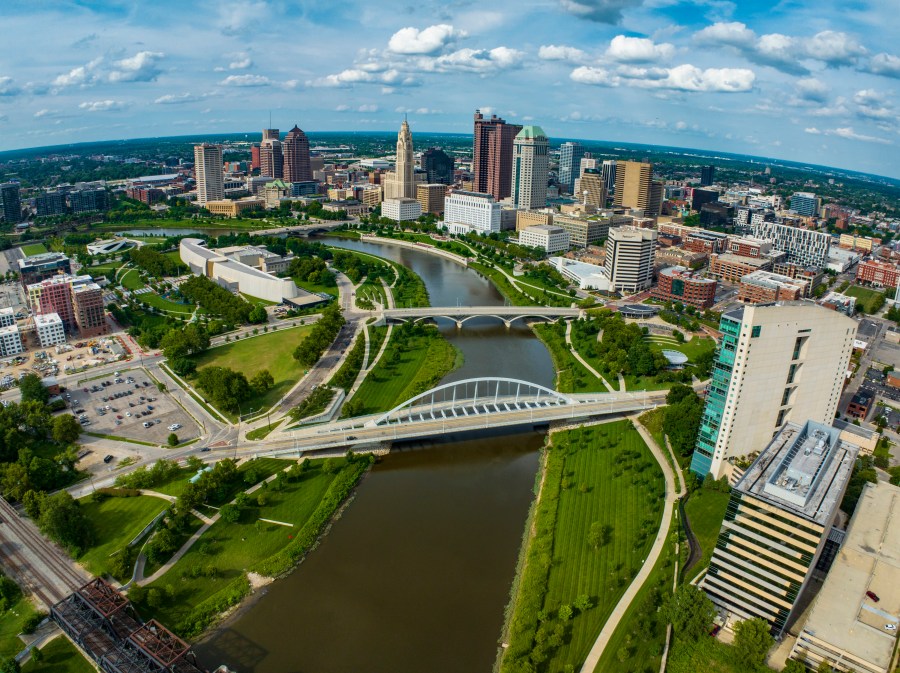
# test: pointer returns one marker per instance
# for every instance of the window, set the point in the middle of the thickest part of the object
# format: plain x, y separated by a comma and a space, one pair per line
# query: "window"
756, 331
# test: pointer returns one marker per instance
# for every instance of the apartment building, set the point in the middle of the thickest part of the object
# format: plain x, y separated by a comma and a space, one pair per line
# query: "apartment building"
763, 287
731, 268
677, 283
50, 329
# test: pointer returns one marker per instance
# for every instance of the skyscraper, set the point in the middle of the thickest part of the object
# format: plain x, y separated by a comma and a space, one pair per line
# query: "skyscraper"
630, 252
531, 165
12, 206
492, 155
296, 156
775, 363
271, 156
592, 190
570, 155
438, 165
208, 173
609, 175
633, 180
400, 184
707, 176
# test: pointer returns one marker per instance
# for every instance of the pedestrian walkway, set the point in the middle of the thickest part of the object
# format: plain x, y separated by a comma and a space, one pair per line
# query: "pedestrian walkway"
593, 659
584, 362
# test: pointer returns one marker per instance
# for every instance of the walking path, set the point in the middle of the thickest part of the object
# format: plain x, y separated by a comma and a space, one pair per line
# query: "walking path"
584, 362
662, 535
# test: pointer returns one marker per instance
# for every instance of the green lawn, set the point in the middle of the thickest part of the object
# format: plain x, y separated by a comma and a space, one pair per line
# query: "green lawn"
163, 304
602, 477
59, 656
708, 655
193, 525
176, 484
234, 548
272, 351
257, 300
30, 249
187, 223
693, 348
131, 280
101, 269
11, 623
868, 299
116, 522
705, 510
315, 287
376, 339
571, 375
421, 366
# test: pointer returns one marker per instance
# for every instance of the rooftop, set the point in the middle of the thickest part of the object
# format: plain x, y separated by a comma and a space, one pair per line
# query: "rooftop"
43, 258
531, 133
869, 560
687, 274
803, 470
47, 319
771, 280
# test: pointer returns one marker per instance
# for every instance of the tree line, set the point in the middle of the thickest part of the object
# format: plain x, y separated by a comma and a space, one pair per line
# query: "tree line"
323, 334
216, 299
155, 263
229, 389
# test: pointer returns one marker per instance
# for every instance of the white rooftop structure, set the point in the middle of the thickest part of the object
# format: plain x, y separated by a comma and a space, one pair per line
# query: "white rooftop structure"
588, 276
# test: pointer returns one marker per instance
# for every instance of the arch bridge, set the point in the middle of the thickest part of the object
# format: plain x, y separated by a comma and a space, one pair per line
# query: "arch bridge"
461, 314
472, 398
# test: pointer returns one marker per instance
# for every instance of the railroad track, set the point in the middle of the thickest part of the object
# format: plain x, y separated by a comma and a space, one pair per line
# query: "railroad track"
37, 564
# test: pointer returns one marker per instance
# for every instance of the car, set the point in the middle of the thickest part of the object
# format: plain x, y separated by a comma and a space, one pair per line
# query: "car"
715, 630
108, 458
890, 627
84, 390
137, 385
85, 422
147, 425
174, 426
128, 413
150, 407
119, 416
115, 373
873, 596
118, 422
204, 449
349, 437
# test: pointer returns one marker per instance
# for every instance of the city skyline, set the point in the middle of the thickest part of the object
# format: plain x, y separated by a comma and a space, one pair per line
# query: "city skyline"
795, 82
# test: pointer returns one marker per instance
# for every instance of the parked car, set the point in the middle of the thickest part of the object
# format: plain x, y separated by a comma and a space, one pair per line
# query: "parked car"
108, 458
873, 596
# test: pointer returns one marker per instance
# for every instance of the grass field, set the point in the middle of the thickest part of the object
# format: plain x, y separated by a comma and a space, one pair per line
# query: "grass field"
315, 287
30, 249
131, 280
693, 348
598, 514
425, 362
116, 521
868, 299
193, 224
272, 351
11, 623
163, 304
59, 656
705, 510
234, 548
571, 375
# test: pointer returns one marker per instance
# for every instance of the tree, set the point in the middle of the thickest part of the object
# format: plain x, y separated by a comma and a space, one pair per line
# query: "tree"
230, 513
66, 429
753, 640
794, 666
262, 381
823, 667
690, 611
258, 315
33, 389
10, 665
173, 439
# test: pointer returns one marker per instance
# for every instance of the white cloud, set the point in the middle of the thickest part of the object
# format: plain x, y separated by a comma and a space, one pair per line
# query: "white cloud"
419, 111
342, 108
246, 80
176, 99
812, 130
7, 88
242, 62
102, 105
142, 67
552, 52
426, 41
684, 77
46, 113
367, 108
885, 64
601, 11
811, 89
237, 16
79, 76
834, 48
478, 60
848, 133
731, 33
638, 50
872, 104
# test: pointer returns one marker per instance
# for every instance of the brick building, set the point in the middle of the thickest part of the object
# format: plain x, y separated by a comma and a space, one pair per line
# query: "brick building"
731, 268
763, 287
880, 274
749, 247
676, 283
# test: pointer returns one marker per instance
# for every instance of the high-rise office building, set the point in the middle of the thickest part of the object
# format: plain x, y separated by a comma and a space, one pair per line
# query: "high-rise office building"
805, 203
531, 166
635, 187
401, 183
431, 197
707, 176
570, 156
271, 155
592, 190
254, 157
295, 149
779, 516
492, 155
38, 267
630, 252
438, 166
473, 211
208, 173
12, 205
775, 363
609, 175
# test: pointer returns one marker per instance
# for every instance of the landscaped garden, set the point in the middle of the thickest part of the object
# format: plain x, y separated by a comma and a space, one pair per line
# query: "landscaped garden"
595, 520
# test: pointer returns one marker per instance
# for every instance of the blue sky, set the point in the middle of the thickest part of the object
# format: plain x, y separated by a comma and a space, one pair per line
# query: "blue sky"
804, 81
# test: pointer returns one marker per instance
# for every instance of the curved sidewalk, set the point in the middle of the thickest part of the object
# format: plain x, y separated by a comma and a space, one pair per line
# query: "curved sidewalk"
594, 656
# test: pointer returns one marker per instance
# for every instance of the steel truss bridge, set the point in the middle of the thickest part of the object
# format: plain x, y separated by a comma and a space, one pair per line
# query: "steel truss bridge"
460, 314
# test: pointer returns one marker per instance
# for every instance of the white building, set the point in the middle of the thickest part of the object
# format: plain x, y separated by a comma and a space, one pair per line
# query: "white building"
531, 166
238, 276
479, 212
49, 329
7, 316
546, 236
108, 247
586, 276
209, 173
630, 252
401, 210
803, 246
10, 341
775, 363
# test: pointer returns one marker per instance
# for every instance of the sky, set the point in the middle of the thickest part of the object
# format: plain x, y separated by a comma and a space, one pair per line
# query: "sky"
798, 80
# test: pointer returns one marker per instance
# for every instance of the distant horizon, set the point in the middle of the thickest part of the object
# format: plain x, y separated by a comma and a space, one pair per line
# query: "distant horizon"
555, 142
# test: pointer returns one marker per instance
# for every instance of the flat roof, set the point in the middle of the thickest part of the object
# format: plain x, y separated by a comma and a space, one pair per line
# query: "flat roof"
47, 319
803, 470
869, 560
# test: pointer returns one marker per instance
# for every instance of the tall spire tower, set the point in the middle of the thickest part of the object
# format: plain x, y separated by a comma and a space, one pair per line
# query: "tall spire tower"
405, 165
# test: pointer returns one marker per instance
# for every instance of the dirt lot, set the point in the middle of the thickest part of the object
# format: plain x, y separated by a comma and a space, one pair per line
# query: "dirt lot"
134, 399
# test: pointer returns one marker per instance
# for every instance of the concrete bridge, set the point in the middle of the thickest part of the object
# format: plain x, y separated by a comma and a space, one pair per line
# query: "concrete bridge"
460, 314
461, 406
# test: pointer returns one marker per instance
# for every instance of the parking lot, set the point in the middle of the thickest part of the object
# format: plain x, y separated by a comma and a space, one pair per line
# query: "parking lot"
129, 405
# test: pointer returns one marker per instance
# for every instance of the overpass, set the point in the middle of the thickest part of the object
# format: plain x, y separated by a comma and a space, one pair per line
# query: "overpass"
460, 314
462, 406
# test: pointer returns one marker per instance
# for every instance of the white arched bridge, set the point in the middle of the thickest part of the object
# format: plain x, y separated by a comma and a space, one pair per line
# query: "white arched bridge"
461, 406
460, 314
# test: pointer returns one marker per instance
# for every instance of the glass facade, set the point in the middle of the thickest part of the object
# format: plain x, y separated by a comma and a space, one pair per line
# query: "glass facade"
716, 396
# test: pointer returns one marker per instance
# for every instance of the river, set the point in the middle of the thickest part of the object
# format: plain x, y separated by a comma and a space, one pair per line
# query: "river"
415, 575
